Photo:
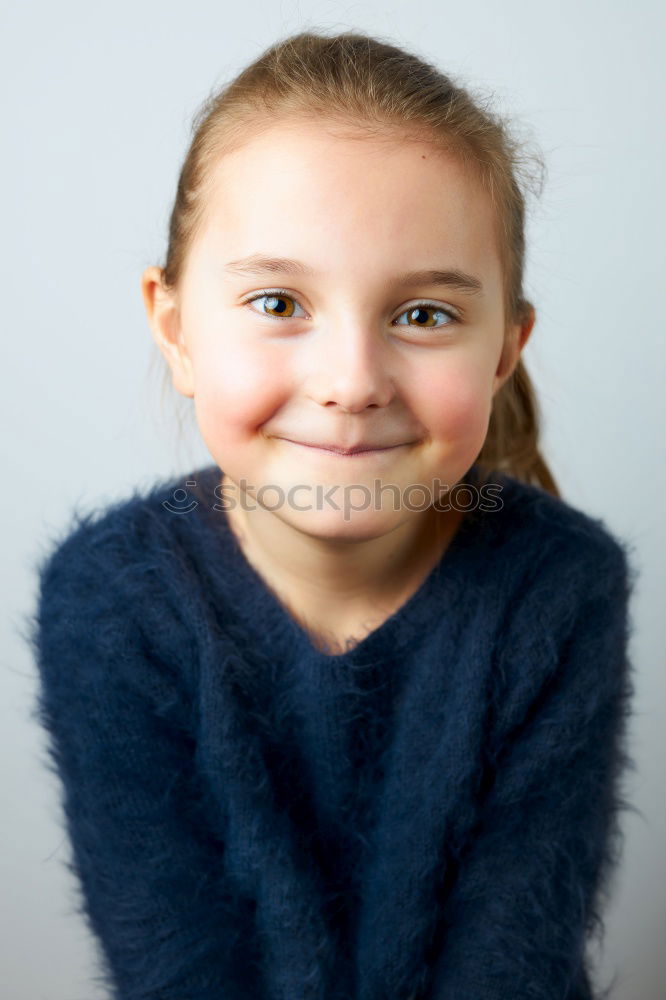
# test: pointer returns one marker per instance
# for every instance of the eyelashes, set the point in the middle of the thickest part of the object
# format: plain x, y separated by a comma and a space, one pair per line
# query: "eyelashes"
275, 293
415, 308
425, 307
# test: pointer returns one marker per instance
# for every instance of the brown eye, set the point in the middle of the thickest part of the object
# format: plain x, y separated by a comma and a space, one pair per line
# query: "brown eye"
419, 314
280, 304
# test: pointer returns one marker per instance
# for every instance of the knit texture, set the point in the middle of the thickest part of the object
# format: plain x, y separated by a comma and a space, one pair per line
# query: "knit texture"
433, 814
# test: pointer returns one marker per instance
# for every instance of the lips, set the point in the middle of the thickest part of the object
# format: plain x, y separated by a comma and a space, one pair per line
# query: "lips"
354, 450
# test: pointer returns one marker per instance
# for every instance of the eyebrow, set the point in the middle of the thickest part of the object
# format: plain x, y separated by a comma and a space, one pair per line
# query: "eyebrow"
257, 264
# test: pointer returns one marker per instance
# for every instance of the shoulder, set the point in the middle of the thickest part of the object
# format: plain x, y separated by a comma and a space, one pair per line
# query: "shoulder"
567, 582
104, 632
124, 537
109, 614
110, 574
553, 542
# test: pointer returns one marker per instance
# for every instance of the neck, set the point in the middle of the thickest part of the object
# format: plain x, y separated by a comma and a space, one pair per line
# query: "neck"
332, 581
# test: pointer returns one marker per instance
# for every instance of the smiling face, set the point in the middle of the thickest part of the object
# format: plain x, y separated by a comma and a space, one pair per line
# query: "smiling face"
347, 350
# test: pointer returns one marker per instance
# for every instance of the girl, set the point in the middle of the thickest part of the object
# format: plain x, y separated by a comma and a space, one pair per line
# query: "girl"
343, 714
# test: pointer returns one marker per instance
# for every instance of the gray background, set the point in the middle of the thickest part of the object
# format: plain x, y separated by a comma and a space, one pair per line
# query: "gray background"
97, 103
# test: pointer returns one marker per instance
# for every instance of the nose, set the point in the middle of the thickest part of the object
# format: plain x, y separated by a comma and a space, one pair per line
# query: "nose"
350, 369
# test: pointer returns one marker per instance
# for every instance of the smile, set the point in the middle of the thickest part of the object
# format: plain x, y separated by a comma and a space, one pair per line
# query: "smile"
342, 453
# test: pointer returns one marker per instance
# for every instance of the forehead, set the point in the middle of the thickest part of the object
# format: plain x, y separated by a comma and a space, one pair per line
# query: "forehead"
337, 199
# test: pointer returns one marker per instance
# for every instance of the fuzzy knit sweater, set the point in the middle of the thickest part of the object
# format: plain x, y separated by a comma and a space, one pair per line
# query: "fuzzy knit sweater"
431, 815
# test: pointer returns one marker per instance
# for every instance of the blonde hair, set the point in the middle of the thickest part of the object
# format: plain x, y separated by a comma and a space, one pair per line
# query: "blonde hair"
384, 92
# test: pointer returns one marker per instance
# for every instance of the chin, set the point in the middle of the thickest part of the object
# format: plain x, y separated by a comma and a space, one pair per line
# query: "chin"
336, 526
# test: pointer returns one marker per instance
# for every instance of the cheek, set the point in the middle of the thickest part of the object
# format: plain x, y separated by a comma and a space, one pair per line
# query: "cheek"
239, 389
455, 403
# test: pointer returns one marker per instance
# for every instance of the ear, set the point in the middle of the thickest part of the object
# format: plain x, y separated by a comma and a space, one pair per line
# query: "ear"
164, 321
514, 341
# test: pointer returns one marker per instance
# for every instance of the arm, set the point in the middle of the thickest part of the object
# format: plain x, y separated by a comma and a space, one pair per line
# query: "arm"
529, 886
148, 863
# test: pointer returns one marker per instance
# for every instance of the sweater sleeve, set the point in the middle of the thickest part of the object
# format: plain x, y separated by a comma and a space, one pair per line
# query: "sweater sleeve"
530, 885
144, 857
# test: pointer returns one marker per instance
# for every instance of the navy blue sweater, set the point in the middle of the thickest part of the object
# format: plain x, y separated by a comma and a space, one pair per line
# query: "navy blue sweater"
431, 815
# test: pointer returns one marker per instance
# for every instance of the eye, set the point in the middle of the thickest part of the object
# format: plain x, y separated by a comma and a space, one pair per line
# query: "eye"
275, 298
420, 312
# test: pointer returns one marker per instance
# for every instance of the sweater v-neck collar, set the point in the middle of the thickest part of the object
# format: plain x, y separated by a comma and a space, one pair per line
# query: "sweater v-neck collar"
259, 607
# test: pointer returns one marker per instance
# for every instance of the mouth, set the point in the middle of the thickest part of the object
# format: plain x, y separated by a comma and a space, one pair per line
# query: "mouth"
348, 452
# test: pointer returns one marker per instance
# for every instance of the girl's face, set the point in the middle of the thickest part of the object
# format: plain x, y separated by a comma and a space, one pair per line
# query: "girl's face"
378, 322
